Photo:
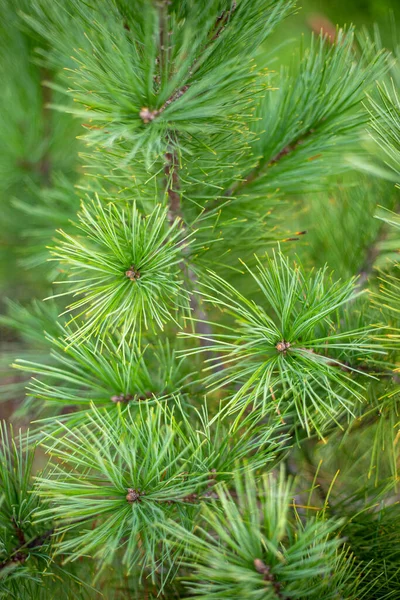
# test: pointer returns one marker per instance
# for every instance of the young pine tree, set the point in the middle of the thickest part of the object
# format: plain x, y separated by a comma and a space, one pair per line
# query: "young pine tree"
214, 400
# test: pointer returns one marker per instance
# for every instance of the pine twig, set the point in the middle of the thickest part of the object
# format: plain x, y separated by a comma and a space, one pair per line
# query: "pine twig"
175, 212
19, 555
372, 254
261, 168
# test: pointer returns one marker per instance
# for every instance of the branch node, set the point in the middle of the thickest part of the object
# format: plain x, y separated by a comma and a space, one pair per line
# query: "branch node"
283, 346
265, 570
148, 115
133, 495
133, 273
125, 398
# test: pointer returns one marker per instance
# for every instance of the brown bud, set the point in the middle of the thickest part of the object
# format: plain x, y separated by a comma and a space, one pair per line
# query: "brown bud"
261, 567
19, 557
283, 346
121, 398
147, 115
190, 498
132, 273
133, 495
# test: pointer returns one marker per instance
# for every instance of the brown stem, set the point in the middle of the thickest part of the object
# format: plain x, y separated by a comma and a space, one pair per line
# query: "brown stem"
171, 167
172, 177
173, 190
372, 254
222, 20
261, 168
19, 533
19, 556
343, 365
267, 574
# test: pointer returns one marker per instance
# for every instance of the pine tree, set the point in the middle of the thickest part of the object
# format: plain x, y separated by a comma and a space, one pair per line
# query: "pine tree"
212, 381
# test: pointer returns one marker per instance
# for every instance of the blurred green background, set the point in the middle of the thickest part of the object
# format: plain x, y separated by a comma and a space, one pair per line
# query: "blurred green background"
343, 12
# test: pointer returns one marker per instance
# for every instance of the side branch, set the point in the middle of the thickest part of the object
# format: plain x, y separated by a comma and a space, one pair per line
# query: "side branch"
263, 166
175, 212
372, 254
147, 114
20, 553
171, 173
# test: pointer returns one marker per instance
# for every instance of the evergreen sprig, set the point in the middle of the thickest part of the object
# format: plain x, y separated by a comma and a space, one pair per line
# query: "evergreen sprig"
254, 544
310, 121
27, 568
125, 267
186, 46
121, 374
163, 478
288, 349
115, 481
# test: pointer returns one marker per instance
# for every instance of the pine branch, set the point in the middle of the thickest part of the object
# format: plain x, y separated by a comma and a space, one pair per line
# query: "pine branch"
175, 213
181, 456
257, 549
371, 256
289, 344
126, 270
145, 478
171, 162
262, 167
19, 554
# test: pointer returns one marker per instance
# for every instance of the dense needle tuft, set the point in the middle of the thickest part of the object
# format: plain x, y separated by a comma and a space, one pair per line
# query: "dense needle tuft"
110, 238
316, 377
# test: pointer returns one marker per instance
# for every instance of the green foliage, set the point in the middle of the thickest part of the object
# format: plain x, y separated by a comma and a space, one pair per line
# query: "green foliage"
26, 547
196, 158
53, 209
374, 538
121, 373
28, 324
346, 229
37, 147
310, 120
289, 350
386, 124
116, 480
193, 50
260, 547
125, 268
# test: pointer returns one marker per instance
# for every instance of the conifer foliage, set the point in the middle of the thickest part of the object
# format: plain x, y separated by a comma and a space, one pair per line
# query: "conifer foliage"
213, 400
